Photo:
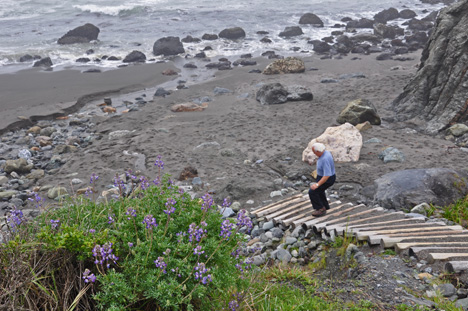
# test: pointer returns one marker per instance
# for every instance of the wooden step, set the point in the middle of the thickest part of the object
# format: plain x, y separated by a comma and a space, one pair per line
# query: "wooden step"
265, 210
364, 235
415, 251
433, 257
388, 242
355, 223
286, 210
310, 220
402, 246
372, 227
456, 266
304, 208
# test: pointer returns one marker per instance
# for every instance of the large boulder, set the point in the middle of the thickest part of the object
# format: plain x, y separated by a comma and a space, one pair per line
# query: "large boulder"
135, 57
362, 23
386, 15
234, 33
311, 19
408, 188
168, 46
81, 34
43, 62
291, 31
271, 94
359, 111
387, 32
437, 93
344, 142
298, 93
286, 65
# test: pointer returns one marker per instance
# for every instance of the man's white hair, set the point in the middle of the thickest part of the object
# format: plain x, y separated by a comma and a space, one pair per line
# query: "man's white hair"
319, 147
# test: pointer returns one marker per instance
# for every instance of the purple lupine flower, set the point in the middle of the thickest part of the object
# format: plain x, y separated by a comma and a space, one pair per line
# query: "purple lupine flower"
198, 250
159, 163
150, 222
200, 271
16, 217
157, 181
54, 223
130, 244
226, 203
226, 229
236, 253
119, 183
144, 183
233, 305
88, 191
181, 191
130, 175
92, 231
110, 219
170, 209
103, 254
88, 276
243, 220
160, 264
196, 233
93, 178
207, 202
130, 212
37, 199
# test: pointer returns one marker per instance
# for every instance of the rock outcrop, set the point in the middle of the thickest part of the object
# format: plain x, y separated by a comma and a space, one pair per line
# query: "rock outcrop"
408, 188
344, 142
311, 19
135, 57
437, 94
81, 34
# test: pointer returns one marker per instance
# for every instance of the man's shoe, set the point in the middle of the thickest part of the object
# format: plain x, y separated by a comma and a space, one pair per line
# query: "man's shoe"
319, 212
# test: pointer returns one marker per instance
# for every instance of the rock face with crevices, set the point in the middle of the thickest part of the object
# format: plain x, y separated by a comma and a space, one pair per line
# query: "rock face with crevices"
438, 92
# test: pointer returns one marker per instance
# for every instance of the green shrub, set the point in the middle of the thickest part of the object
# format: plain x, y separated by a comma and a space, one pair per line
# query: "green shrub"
151, 248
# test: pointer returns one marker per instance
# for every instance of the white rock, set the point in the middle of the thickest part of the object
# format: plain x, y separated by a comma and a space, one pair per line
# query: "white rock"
344, 142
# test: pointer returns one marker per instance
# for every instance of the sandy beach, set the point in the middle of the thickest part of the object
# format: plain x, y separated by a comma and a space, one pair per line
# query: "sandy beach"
238, 146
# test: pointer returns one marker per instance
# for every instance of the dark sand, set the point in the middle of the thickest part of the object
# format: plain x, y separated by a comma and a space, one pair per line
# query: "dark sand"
243, 128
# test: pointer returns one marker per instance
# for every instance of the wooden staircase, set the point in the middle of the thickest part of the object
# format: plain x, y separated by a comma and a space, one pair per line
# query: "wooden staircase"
430, 241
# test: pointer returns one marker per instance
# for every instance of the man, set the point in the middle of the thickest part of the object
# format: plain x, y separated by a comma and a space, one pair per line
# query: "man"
325, 179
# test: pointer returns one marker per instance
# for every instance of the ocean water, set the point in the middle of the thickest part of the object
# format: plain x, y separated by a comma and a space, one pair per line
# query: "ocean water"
34, 26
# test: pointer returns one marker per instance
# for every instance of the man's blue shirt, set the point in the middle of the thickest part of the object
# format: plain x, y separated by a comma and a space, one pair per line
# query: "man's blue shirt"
325, 164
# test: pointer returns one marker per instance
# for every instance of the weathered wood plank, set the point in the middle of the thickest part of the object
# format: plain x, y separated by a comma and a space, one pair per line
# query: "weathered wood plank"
456, 266
330, 212
278, 207
414, 251
388, 242
433, 257
305, 207
402, 246
261, 209
286, 210
353, 229
364, 235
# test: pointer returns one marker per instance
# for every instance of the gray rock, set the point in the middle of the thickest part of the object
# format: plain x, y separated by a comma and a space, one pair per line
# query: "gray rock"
392, 154
36, 174
135, 57
297, 93
421, 209
437, 93
283, 255
373, 141
275, 194
295, 253
264, 238
47, 131
462, 303
268, 225
81, 34
257, 232
271, 94
168, 46
56, 192
290, 240
234, 33
221, 90
291, 31
359, 111
258, 260
311, 19
447, 289
457, 130
119, 134
400, 189
277, 233
3, 180
297, 232
386, 15
24, 153
19, 166
227, 212
8, 194
236, 206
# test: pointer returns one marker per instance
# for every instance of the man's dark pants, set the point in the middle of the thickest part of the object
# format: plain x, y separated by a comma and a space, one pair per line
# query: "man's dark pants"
318, 197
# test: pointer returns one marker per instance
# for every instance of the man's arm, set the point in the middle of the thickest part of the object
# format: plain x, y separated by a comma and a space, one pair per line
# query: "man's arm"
321, 182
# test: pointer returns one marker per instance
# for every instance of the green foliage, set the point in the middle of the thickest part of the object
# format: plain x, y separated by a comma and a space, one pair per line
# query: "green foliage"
389, 252
156, 248
457, 212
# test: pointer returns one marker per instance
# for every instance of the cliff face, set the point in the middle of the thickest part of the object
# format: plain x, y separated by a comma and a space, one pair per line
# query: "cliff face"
438, 94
